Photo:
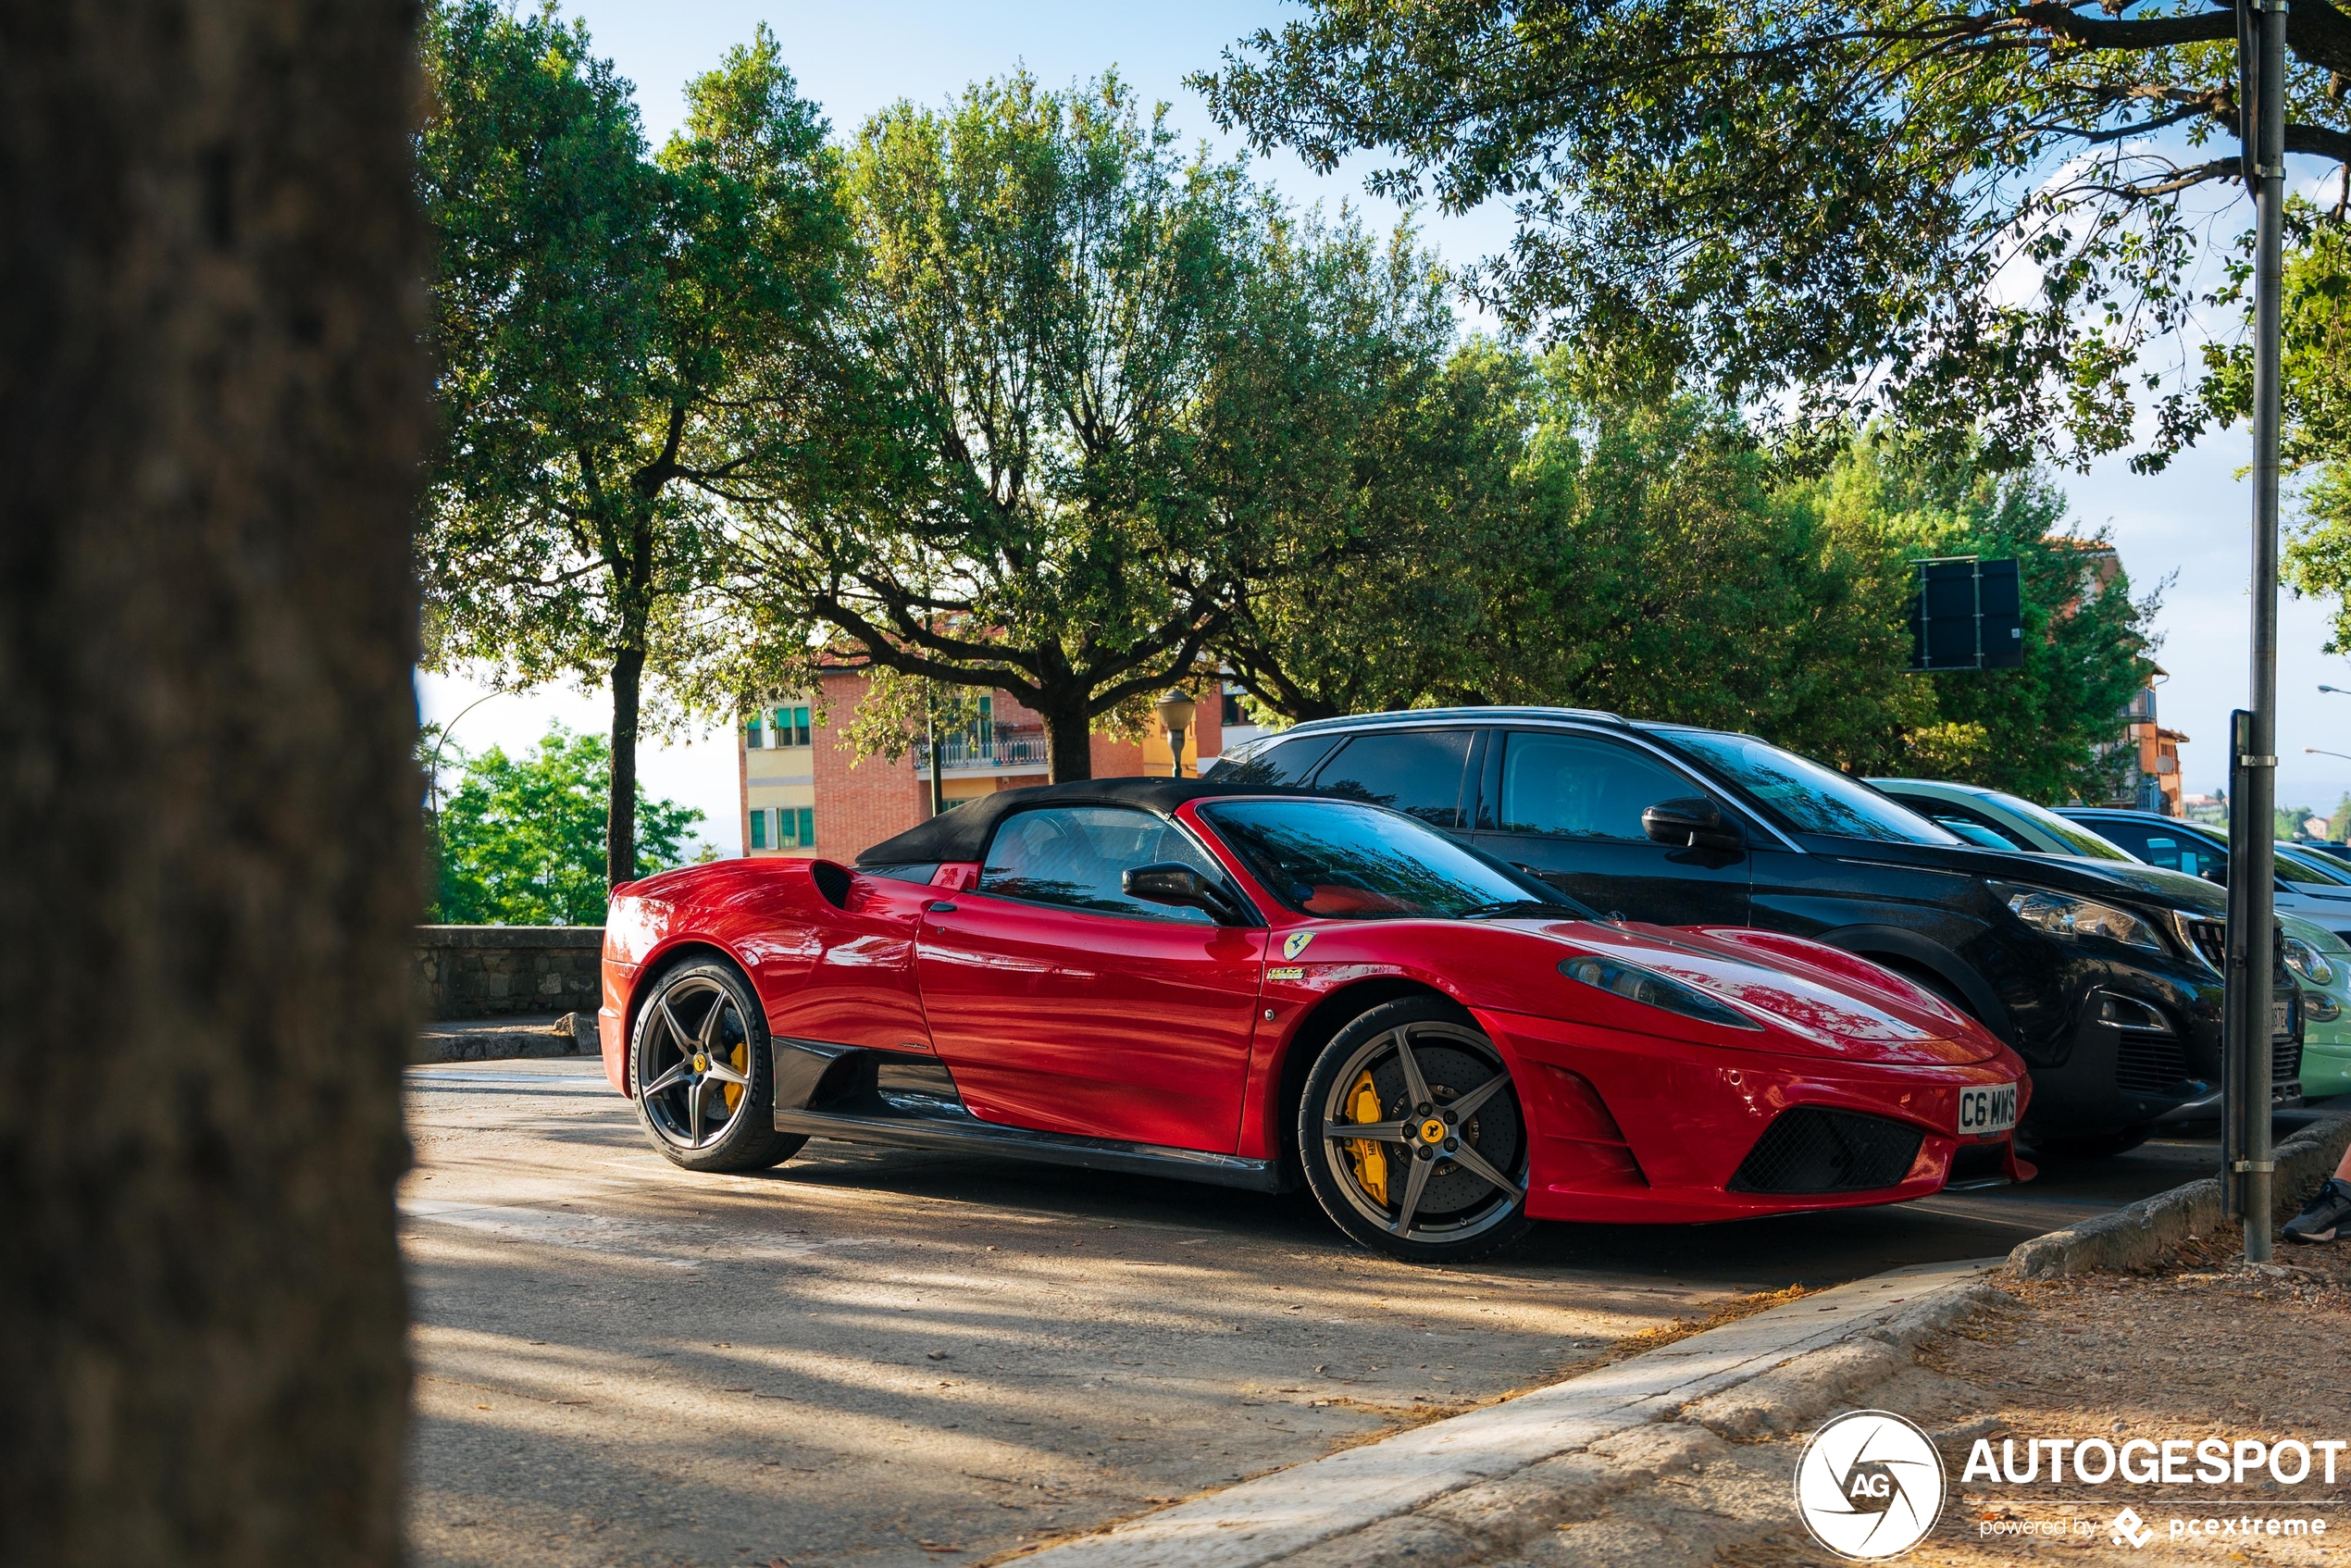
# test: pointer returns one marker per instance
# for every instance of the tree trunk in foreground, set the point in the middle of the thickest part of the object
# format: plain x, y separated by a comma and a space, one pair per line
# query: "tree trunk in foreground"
620, 820
209, 417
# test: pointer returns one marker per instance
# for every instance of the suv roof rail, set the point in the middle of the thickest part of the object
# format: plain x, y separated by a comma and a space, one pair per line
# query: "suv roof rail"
1417, 716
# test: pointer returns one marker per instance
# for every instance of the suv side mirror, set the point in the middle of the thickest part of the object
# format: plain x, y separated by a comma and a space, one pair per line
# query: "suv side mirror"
1694, 823
1173, 883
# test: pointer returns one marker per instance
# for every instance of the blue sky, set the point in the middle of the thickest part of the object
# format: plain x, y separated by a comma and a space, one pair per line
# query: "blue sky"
854, 60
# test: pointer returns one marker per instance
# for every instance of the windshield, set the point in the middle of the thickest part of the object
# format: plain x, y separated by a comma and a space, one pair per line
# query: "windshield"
2293, 865
1807, 797
2301, 865
2078, 839
1359, 863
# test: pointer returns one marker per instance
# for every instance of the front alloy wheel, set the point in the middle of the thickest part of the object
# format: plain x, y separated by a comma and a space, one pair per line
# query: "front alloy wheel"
1411, 1137
700, 1072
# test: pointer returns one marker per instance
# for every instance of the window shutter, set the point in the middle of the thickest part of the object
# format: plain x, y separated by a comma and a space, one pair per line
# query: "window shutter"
807, 828
759, 830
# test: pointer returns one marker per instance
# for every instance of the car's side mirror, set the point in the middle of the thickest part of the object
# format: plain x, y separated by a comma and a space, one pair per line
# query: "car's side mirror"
1694, 823
1173, 883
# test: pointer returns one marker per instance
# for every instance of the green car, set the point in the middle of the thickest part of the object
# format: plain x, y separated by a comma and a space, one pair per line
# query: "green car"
2321, 961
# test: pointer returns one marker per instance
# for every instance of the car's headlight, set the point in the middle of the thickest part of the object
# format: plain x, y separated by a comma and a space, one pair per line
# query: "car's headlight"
2067, 915
2308, 961
1652, 989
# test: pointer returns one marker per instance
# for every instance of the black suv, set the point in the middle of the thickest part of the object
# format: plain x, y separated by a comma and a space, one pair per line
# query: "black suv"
2102, 974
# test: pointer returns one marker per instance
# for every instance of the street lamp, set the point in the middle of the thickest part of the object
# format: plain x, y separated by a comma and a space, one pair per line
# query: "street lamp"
2315, 752
2338, 691
1176, 714
433, 765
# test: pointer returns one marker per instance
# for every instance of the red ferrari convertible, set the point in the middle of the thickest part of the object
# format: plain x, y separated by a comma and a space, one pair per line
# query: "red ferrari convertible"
1253, 987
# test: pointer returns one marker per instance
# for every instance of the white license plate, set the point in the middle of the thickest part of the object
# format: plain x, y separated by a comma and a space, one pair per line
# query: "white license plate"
2281, 1020
1985, 1111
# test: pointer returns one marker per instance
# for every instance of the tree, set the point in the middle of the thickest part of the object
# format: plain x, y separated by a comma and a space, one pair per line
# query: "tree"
2046, 732
1063, 458
214, 411
1694, 585
1404, 540
622, 339
1823, 209
522, 840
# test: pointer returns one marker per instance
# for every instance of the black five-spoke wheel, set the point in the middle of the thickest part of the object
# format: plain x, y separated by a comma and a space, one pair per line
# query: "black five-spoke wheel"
700, 1072
1411, 1137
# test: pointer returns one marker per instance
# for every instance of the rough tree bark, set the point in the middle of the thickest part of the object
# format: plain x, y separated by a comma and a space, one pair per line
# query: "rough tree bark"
209, 417
620, 800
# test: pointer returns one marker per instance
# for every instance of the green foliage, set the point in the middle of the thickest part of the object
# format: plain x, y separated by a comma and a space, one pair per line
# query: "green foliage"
622, 339
2316, 437
1695, 587
522, 840
2040, 731
1647, 560
1826, 208
1395, 523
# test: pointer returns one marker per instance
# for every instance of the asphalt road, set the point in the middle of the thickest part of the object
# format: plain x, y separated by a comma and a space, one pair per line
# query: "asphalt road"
877, 1357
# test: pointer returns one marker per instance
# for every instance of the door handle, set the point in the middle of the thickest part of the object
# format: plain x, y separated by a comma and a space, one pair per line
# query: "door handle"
941, 907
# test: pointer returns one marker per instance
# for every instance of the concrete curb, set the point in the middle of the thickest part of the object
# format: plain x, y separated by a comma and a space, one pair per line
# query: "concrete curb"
497, 1040
2136, 1236
1488, 1480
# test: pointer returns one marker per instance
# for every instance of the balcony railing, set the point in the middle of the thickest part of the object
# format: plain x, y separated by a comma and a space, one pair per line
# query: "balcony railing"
968, 754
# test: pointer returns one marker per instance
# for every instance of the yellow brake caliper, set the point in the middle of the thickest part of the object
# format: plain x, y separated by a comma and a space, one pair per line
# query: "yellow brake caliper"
742, 1059
1369, 1159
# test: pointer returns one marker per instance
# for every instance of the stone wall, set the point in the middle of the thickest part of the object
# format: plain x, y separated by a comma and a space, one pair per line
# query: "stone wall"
507, 971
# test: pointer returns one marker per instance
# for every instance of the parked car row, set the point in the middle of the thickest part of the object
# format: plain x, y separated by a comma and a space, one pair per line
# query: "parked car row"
2101, 971
1457, 970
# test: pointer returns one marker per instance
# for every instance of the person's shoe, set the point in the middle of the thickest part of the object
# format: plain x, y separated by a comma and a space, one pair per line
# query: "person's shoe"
2325, 1216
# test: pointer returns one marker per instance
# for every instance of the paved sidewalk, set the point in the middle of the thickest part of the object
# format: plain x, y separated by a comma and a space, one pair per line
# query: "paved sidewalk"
1489, 1482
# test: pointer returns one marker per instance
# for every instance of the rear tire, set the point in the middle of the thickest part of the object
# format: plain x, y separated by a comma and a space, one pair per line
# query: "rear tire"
702, 1076
1400, 1192
2091, 1146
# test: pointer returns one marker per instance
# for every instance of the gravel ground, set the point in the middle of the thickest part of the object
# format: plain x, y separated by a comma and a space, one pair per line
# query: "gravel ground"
2203, 1347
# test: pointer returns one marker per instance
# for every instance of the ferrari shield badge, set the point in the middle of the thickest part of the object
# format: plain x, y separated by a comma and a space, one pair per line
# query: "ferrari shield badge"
1295, 943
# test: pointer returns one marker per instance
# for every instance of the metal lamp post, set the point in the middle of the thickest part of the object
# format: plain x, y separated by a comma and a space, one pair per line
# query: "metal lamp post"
2249, 1174
1177, 712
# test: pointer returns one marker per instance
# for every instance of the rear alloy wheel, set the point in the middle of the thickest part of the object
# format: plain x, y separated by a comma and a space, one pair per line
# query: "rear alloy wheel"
701, 1076
1412, 1136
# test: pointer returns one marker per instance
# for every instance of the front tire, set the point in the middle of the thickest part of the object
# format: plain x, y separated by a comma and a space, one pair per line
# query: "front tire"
1375, 1095
701, 1076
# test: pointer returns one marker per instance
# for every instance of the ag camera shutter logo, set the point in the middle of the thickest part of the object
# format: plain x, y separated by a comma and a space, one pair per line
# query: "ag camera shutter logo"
1869, 1486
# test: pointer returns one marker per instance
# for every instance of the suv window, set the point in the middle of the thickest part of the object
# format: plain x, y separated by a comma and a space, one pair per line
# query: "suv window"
1286, 762
1576, 787
1414, 771
2166, 847
1074, 855
1807, 797
1976, 826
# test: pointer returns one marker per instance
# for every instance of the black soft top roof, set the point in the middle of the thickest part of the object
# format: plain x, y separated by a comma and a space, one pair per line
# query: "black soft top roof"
962, 833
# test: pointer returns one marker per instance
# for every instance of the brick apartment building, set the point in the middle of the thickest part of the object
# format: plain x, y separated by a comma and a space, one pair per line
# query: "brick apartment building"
2151, 775
2152, 781
805, 793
